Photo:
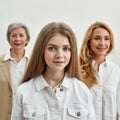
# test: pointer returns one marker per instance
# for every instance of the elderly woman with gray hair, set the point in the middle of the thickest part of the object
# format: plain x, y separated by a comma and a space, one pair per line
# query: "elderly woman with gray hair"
12, 66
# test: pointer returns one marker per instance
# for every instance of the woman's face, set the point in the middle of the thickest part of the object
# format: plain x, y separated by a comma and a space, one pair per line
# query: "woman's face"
18, 38
57, 53
100, 42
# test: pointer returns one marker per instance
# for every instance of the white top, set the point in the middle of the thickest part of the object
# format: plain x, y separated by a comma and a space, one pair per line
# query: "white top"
105, 93
36, 100
16, 69
118, 100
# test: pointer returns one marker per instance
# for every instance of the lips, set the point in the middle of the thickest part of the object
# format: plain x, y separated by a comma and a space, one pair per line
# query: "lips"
17, 43
58, 62
101, 49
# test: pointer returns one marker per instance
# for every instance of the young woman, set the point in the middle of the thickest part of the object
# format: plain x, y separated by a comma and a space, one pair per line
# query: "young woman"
98, 73
50, 89
12, 66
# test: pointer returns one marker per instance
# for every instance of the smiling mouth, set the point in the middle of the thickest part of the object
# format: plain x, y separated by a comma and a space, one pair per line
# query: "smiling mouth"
17, 43
101, 48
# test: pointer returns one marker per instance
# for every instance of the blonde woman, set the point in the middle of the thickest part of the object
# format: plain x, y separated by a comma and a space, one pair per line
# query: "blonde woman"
100, 74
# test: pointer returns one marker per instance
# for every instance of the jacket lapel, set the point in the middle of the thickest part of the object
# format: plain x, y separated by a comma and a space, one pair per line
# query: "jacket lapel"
6, 70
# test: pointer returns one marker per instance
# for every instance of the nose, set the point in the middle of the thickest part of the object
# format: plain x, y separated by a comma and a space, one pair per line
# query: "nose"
102, 42
17, 37
59, 53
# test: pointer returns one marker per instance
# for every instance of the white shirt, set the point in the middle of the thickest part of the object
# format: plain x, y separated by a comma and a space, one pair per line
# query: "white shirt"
105, 93
118, 100
36, 100
17, 70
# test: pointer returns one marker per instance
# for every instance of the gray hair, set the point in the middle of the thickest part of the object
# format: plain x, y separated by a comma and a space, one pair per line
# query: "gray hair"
15, 26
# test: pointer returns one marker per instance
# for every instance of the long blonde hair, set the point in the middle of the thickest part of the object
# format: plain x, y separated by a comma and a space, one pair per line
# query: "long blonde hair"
86, 55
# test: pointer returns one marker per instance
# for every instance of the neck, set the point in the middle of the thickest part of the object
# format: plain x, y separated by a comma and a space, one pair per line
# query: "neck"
17, 54
53, 79
98, 61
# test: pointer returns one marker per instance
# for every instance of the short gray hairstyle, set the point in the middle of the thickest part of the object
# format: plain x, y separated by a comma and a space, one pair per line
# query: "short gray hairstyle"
15, 26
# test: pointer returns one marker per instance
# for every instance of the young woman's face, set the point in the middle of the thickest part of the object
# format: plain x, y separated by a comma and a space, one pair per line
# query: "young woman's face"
57, 53
18, 38
100, 42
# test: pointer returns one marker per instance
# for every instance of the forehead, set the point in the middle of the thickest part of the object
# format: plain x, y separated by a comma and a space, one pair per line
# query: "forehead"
101, 31
59, 39
19, 29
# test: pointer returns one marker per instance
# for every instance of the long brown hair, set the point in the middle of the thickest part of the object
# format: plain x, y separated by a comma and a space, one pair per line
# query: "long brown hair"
86, 55
37, 63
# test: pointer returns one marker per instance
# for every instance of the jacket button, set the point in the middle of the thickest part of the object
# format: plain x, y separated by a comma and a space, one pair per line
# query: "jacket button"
61, 89
78, 114
34, 114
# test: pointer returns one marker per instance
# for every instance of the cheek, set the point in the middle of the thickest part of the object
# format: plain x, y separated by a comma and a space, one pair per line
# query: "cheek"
92, 46
68, 56
109, 44
11, 42
48, 56
25, 40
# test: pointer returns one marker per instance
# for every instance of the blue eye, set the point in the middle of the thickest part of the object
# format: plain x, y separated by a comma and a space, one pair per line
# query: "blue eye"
51, 48
66, 49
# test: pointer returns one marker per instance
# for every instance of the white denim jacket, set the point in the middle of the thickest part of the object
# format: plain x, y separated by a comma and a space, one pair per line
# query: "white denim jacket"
105, 93
35, 100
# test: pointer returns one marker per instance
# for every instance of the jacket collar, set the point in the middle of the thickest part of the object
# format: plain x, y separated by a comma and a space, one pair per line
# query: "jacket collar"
8, 57
105, 63
40, 82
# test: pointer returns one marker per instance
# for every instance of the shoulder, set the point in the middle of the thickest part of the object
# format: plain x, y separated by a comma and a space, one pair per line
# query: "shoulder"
80, 89
2, 57
113, 65
75, 83
30, 85
26, 86
79, 84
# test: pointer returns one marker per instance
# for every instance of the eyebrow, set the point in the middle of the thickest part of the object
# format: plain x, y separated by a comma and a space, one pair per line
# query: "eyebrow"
57, 45
100, 36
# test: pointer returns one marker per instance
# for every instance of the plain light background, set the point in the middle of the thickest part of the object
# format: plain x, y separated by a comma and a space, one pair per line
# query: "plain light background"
78, 14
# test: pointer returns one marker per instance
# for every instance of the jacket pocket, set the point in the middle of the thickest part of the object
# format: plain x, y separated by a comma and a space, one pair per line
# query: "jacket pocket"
32, 112
76, 112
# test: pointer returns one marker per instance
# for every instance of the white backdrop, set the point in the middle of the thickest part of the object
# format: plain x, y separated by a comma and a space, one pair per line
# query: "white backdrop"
78, 14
